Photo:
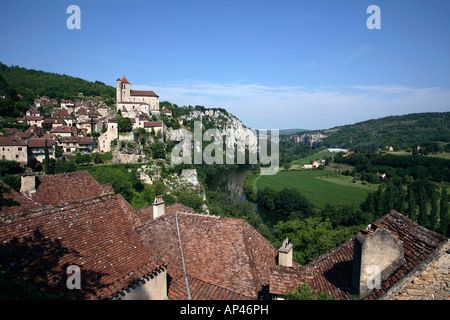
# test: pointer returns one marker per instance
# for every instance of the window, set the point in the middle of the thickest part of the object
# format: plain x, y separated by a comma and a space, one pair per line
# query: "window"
20, 148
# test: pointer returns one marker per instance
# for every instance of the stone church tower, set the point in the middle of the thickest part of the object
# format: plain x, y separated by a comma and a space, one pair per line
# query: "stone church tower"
123, 90
134, 102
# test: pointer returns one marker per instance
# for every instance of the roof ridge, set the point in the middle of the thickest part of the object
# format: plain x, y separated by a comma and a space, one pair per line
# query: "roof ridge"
51, 207
219, 286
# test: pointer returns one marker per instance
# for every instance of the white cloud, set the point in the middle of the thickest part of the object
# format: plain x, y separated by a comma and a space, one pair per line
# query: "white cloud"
282, 107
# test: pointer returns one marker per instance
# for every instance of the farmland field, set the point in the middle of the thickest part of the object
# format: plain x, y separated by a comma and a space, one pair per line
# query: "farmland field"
319, 186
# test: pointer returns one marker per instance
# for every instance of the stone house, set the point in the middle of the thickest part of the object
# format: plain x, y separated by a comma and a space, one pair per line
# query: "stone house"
36, 148
166, 112
62, 131
69, 105
13, 148
73, 143
105, 139
63, 114
32, 120
155, 126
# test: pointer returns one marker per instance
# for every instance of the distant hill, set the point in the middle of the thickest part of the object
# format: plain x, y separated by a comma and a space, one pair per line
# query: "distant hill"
37, 83
396, 131
292, 131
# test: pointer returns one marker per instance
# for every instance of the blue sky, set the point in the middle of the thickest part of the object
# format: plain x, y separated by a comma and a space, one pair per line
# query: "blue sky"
273, 64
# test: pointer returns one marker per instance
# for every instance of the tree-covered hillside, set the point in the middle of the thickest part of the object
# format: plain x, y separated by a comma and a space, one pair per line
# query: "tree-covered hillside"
32, 82
397, 131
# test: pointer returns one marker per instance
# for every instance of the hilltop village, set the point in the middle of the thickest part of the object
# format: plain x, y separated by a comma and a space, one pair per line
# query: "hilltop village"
56, 222
81, 126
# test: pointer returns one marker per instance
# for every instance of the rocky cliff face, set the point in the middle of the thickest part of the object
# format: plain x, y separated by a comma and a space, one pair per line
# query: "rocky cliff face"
218, 123
308, 138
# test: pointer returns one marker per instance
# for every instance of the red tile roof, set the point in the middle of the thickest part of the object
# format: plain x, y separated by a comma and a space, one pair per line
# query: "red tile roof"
12, 141
124, 80
61, 114
93, 234
66, 187
77, 139
40, 143
33, 118
61, 129
332, 272
153, 124
224, 257
143, 93
25, 204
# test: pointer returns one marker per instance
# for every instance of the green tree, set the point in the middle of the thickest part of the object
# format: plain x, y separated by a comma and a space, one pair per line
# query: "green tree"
304, 292
411, 209
422, 219
124, 124
6, 202
444, 213
63, 165
245, 210
190, 198
434, 213
58, 151
312, 237
46, 158
158, 150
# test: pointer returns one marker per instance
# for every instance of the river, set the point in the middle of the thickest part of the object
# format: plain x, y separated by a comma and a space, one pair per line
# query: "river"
231, 183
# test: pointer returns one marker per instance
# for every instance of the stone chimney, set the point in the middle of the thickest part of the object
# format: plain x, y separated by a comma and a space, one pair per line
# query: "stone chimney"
377, 254
158, 207
28, 183
285, 254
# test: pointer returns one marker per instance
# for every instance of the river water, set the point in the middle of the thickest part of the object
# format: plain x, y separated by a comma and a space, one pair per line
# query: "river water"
231, 183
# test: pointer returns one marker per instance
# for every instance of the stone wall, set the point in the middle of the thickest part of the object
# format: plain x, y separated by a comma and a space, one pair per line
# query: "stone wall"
433, 283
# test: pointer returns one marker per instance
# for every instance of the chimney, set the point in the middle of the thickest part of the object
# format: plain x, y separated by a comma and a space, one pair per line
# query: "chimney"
158, 207
285, 254
377, 254
28, 183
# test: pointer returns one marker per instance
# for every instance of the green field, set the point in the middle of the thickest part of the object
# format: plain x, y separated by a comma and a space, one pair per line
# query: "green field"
319, 186
316, 156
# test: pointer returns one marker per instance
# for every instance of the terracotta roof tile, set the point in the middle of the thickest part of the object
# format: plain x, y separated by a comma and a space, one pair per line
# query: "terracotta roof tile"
124, 80
223, 255
12, 141
333, 270
152, 124
143, 93
66, 187
93, 234
40, 142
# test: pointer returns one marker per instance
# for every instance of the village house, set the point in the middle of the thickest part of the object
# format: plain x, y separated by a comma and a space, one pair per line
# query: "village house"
13, 148
105, 139
154, 126
67, 105
33, 112
63, 114
39, 102
63, 131
103, 110
36, 148
166, 112
315, 164
31, 120
73, 143
172, 252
